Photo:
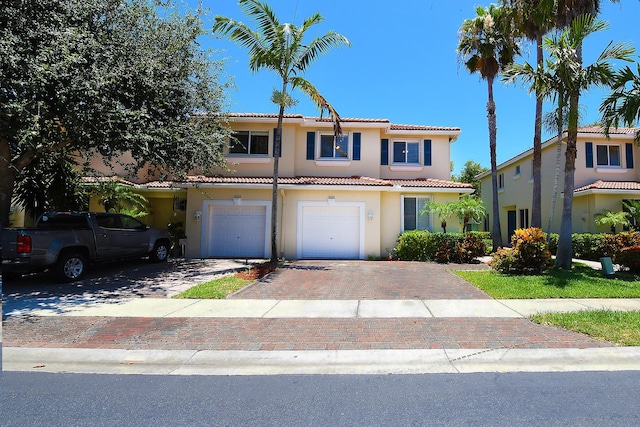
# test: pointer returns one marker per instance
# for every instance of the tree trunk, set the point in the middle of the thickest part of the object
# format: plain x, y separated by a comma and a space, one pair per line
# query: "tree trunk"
496, 235
556, 178
565, 248
7, 181
536, 202
274, 191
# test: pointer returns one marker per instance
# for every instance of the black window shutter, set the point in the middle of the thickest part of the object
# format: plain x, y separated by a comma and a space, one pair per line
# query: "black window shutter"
427, 152
629, 155
311, 145
275, 136
357, 136
589, 154
384, 152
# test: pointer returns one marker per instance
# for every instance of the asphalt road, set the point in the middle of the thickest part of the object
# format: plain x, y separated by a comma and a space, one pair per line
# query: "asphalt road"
566, 399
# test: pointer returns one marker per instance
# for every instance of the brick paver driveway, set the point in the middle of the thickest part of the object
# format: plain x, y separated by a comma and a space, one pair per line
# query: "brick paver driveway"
364, 280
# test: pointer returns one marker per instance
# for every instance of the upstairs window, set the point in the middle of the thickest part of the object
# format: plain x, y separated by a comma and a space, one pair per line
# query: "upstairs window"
608, 155
501, 181
250, 143
332, 147
406, 152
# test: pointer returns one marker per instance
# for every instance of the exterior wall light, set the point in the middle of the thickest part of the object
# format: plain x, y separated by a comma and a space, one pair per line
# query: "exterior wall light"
197, 215
370, 214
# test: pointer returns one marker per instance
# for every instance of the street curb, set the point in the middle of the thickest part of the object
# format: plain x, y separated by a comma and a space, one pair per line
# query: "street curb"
194, 362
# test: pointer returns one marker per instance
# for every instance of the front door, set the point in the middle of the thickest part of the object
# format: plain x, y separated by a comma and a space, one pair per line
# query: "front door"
511, 225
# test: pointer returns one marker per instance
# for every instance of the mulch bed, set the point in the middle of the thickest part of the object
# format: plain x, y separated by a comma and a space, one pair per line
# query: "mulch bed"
256, 272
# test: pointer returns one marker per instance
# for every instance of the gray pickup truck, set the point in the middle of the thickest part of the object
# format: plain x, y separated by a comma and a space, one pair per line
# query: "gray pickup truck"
66, 242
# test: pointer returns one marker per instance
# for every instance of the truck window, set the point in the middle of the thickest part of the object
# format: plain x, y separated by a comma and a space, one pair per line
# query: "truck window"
63, 221
108, 221
132, 223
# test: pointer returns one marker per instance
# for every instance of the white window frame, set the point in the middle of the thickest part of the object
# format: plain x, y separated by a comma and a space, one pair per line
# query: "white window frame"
406, 141
347, 135
501, 181
609, 165
426, 198
517, 172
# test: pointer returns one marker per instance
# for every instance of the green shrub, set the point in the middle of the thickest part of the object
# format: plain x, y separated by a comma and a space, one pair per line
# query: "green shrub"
588, 246
439, 247
529, 254
553, 242
414, 246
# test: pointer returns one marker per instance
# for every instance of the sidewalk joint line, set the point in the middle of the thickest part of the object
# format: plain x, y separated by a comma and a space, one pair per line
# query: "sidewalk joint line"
270, 309
424, 302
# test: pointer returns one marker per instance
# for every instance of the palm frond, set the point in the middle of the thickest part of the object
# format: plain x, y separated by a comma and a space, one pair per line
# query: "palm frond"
322, 103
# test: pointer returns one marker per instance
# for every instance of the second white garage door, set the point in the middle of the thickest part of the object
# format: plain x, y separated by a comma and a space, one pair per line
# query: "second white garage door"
330, 232
237, 231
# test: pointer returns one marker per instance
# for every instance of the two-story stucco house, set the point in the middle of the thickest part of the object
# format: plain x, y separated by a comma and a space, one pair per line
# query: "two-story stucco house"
344, 198
606, 174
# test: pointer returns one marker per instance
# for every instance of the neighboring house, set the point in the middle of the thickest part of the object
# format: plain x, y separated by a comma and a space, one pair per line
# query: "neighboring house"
344, 198
606, 174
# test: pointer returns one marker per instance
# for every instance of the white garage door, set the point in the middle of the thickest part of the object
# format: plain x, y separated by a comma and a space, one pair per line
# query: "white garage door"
237, 231
330, 232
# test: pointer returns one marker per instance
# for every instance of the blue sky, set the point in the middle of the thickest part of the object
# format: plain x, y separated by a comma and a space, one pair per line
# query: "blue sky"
403, 66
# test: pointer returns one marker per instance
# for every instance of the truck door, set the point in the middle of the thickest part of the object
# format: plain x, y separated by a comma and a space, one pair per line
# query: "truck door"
135, 236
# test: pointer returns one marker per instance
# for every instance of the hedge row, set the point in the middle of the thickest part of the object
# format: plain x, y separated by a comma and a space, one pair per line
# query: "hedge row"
595, 246
422, 245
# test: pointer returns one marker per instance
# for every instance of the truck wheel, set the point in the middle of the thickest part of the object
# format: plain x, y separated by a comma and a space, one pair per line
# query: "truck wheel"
71, 266
160, 252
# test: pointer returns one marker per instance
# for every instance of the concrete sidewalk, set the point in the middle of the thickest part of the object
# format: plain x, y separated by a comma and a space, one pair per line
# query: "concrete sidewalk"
268, 308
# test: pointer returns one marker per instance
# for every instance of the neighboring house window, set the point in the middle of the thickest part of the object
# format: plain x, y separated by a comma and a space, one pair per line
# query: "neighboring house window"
407, 152
411, 218
250, 143
501, 181
332, 147
524, 218
517, 171
608, 155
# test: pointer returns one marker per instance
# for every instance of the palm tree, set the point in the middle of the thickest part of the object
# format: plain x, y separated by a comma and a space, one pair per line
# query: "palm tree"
607, 217
622, 106
470, 208
575, 79
535, 19
443, 210
486, 46
281, 48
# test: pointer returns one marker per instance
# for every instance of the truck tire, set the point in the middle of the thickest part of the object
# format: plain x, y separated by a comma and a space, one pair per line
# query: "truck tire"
71, 266
160, 252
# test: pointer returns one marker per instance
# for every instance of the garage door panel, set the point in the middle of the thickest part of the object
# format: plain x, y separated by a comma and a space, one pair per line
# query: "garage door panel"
331, 232
237, 231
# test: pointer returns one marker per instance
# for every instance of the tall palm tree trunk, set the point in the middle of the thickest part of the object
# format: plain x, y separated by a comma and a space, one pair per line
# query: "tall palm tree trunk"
536, 202
556, 178
274, 192
565, 249
496, 235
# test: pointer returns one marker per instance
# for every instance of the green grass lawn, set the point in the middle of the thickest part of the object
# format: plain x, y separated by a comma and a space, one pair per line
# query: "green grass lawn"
215, 289
580, 282
621, 328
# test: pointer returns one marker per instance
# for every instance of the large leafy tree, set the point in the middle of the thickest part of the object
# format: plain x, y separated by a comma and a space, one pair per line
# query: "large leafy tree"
486, 46
105, 76
469, 174
281, 48
535, 18
577, 78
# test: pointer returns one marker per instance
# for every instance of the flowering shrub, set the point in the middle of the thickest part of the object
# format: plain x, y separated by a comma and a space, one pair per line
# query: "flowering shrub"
629, 257
529, 253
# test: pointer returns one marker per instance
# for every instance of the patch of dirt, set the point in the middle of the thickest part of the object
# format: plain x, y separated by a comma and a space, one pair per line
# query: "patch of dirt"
256, 272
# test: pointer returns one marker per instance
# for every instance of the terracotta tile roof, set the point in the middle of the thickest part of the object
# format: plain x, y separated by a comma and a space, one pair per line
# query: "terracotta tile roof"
337, 181
430, 183
612, 131
265, 115
113, 178
610, 185
428, 128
